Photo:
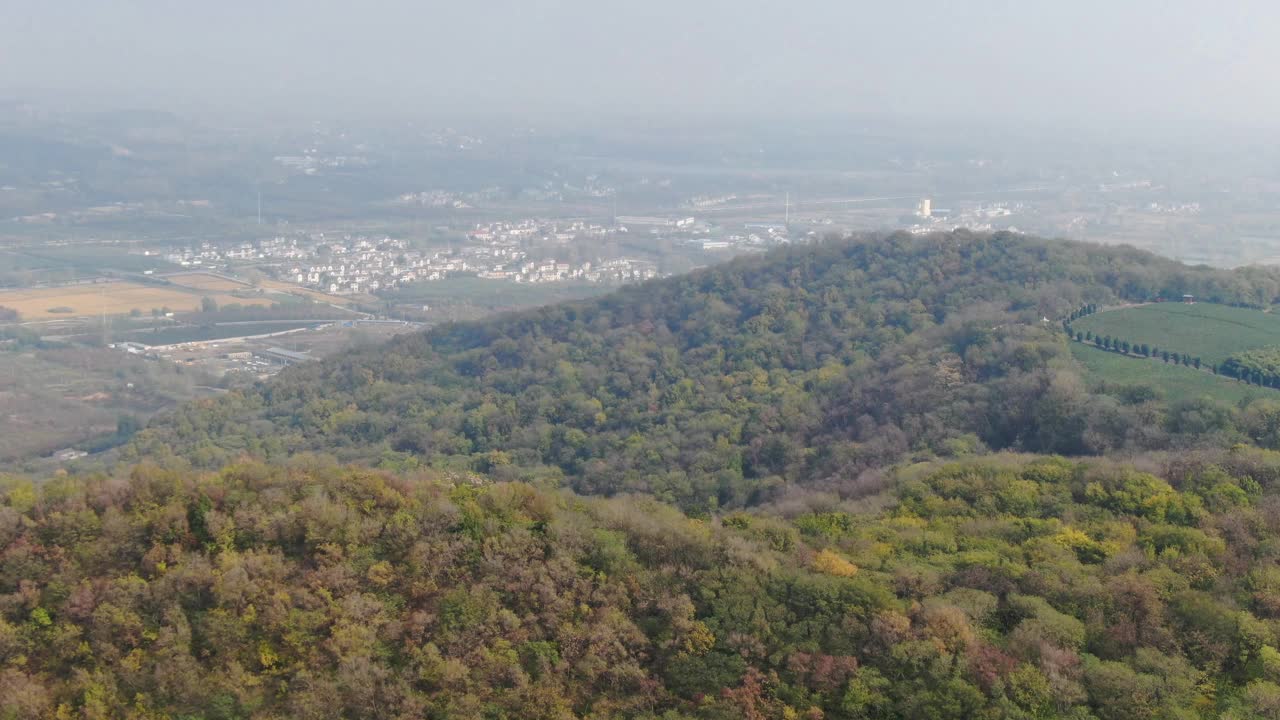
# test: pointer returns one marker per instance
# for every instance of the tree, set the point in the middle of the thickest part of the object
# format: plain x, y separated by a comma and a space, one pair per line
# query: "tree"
127, 424
208, 304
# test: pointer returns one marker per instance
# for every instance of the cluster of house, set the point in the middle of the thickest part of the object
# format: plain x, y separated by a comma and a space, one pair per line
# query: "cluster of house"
205, 254
520, 231
312, 163
354, 265
976, 217
209, 255
360, 265
710, 201
363, 265
615, 270
434, 199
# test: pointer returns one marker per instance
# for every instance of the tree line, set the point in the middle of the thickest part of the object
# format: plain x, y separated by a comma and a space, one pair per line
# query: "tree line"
1125, 347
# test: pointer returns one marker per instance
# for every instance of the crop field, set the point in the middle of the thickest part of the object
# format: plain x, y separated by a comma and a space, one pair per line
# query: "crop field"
111, 298
494, 293
206, 281
86, 260
314, 295
1211, 332
171, 336
1176, 382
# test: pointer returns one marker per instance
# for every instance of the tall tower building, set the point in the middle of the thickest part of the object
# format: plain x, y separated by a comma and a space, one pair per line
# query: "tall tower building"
925, 208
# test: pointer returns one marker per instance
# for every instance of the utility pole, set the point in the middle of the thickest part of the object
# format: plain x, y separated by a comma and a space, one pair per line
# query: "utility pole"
259, 207
102, 299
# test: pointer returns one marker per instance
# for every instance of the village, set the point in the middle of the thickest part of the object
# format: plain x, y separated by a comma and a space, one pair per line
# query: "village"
358, 264
521, 251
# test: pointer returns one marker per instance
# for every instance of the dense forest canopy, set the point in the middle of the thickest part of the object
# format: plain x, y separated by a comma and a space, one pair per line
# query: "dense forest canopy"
808, 365
1009, 587
859, 480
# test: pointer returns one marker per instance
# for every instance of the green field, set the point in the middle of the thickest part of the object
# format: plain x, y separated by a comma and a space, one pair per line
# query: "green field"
25, 265
172, 336
1211, 332
493, 293
1175, 381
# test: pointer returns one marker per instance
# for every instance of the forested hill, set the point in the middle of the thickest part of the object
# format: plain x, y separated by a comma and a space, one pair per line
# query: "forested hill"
810, 364
878, 576
996, 589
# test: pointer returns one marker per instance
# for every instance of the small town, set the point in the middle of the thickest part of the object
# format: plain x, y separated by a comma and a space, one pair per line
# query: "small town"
521, 251
358, 264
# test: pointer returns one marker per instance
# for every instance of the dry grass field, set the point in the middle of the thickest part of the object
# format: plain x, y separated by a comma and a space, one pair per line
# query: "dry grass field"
111, 298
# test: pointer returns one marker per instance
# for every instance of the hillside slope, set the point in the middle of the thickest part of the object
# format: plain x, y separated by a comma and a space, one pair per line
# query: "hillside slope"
811, 364
1017, 588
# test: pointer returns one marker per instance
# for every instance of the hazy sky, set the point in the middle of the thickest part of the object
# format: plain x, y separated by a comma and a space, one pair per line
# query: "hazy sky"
1128, 62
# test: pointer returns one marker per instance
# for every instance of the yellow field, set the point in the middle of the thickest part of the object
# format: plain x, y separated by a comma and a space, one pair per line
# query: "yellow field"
205, 281
112, 298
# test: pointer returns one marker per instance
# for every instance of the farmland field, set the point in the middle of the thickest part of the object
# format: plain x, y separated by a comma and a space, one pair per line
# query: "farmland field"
493, 293
283, 291
171, 336
298, 291
23, 266
111, 298
1211, 332
1175, 381
206, 281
